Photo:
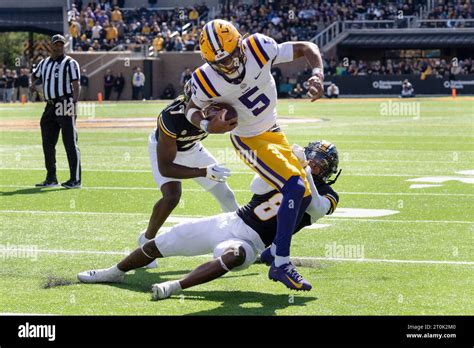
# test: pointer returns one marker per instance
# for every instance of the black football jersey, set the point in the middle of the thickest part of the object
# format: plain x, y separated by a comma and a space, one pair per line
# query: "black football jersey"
173, 122
261, 212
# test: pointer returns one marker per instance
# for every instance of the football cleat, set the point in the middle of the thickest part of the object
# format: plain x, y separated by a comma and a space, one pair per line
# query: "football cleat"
71, 184
142, 240
288, 275
48, 183
108, 275
266, 257
165, 290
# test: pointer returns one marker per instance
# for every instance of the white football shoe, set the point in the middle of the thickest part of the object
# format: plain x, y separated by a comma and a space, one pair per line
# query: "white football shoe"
165, 290
142, 240
109, 275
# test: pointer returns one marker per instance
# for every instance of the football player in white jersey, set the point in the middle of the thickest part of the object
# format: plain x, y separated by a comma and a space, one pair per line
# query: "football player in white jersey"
237, 72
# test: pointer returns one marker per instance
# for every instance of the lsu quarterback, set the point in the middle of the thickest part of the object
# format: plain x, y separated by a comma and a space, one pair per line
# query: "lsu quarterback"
234, 238
237, 72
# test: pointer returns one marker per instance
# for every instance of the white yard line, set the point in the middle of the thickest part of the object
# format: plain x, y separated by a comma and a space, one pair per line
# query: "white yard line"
241, 190
199, 216
309, 258
399, 221
246, 172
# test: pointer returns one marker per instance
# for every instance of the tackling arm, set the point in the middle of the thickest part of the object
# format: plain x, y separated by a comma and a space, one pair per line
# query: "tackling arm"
319, 205
166, 151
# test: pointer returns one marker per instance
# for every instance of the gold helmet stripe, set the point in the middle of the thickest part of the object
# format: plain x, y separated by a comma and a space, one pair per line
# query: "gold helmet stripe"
211, 35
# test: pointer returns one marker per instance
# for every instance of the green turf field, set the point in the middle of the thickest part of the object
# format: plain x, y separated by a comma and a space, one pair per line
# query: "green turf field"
418, 260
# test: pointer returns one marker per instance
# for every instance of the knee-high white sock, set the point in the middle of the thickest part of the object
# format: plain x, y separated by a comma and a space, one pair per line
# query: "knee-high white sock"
225, 197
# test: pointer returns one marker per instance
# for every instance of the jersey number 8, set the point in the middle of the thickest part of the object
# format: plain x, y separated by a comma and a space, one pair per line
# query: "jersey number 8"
266, 210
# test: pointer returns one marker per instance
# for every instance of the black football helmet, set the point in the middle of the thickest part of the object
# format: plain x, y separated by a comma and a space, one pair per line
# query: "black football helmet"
324, 155
187, 91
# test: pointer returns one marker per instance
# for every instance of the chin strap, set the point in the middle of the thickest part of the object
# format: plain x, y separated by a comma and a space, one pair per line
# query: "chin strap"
330, 182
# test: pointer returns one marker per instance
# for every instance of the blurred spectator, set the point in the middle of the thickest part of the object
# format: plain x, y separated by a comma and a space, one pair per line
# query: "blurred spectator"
84, 85
96, 32
138, 81
111, 33
407, 90
3, 83
119, 83
108, 84
74, 31
332, 91
158, 44
169, 92
116, 15
9, 86
277, 76
185, 76
193, 16
297, 92
15, 86
23, 84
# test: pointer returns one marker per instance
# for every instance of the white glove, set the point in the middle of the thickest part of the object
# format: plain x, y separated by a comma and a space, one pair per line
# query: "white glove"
217, 173
298, 151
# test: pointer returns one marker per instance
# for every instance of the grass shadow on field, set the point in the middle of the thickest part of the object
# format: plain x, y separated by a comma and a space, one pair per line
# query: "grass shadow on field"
246, 302
29, 191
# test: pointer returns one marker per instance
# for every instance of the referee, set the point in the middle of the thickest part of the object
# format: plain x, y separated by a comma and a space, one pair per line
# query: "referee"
61, 75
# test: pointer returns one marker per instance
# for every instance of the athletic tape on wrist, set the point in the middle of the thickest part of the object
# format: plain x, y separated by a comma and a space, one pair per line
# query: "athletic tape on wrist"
190, 113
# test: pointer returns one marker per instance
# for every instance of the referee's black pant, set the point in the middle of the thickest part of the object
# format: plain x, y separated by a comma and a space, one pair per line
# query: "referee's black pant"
60, 115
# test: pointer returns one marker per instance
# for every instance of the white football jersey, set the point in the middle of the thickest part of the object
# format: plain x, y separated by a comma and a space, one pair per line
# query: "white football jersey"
255, 97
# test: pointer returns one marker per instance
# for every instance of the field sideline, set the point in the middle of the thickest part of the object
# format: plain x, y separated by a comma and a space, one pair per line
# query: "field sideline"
401, 241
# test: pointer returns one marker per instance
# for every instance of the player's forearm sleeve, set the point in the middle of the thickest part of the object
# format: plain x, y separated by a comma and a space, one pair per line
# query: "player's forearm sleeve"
319, 205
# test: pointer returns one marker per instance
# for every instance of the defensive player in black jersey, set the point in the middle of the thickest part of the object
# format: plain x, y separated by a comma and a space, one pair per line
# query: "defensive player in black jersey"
234, 238
176, 153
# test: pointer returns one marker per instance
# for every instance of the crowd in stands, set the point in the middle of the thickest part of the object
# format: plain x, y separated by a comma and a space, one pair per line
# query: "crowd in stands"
302, 19
104, 24
455, 11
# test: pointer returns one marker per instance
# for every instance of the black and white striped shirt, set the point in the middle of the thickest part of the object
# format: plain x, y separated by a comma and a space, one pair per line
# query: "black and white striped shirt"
57, 76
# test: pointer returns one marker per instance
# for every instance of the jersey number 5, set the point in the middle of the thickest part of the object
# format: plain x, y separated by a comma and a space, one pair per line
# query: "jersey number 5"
252, 103
266, 210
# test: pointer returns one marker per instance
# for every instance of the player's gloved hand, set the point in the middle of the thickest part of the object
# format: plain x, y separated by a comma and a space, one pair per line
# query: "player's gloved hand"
298, 151
217, 173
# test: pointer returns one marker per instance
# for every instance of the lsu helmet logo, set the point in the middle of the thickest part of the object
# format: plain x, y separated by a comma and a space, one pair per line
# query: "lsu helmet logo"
221, 47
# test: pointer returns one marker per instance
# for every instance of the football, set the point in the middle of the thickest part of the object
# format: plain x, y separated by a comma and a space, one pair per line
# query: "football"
212, 109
